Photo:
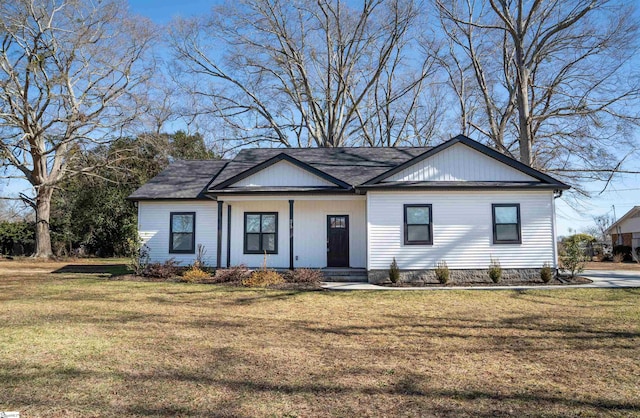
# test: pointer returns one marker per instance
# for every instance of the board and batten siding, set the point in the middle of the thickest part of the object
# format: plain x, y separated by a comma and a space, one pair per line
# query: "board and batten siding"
153, 228
282, 174
459, 163
462, 230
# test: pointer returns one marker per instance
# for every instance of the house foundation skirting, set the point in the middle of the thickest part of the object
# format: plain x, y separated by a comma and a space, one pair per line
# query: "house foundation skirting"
456, 276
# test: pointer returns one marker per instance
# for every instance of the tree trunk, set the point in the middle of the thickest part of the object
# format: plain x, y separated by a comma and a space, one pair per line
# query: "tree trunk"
524, 113
43, 213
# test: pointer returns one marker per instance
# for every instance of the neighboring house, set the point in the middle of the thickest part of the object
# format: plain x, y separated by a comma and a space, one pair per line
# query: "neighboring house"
460, 202
626, 230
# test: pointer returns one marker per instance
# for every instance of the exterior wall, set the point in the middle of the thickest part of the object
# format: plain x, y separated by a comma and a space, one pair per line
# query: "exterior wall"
459, 163
462, 230
622, 239
310, 230
283, 173
630, 225
153, 228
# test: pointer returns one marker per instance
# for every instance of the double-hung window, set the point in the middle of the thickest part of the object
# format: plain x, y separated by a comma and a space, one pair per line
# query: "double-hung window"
418, 228
182, 232
506, 223
260, 232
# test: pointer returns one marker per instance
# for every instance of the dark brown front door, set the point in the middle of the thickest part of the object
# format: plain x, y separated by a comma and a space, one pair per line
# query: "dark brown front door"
338, 241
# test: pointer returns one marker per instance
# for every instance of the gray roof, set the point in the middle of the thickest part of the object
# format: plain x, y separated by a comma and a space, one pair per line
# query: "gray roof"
359, 167
183, 179
351, 165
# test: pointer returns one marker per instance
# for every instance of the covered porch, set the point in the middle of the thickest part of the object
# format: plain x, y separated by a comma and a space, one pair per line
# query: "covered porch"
288, 231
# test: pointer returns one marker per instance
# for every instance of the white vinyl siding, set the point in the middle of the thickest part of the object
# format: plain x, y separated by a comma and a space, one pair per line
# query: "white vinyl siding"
630, 225
153, 228
283, 174
462, 230
459, 163
310, 229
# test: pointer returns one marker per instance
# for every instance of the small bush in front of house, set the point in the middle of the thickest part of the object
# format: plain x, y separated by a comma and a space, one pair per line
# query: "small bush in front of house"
164, 270
140, 257
442, 272
303, 276
572, 254
233, 274
195, 275
495, 270
618, 257
546, 274
394, 271
263, 278
624, 250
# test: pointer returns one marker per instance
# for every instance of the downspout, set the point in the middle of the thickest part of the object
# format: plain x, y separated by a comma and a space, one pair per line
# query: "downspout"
219, 243
228, 235
290, 234
556, 194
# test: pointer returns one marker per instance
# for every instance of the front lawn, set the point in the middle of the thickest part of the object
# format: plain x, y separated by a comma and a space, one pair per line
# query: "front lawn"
74, 343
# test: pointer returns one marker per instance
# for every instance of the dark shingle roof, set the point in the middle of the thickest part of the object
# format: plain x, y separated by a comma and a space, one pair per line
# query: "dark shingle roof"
351, 165
183, 179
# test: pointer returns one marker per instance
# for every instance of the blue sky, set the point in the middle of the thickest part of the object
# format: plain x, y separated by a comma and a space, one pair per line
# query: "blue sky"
623, 193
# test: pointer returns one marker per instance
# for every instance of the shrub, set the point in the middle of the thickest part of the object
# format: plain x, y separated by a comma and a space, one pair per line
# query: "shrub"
164, 270
304, 276
572, 255
546, 274
263, 278
195, 274
139, 260
232, 274
495, 271
442, 272
618, 257
624, 250
637, 254
394, 271
200, 253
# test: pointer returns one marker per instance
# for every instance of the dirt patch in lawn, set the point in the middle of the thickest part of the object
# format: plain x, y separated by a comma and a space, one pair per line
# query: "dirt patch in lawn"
77, 345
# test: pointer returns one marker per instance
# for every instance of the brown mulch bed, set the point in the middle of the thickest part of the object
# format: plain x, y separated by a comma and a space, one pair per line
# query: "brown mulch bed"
213, 281
566, 281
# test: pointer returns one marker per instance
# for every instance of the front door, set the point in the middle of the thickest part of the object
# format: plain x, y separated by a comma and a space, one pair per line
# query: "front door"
337, 240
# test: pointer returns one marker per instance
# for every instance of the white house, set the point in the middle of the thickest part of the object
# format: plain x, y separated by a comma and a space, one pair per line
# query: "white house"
460, 202
626, 230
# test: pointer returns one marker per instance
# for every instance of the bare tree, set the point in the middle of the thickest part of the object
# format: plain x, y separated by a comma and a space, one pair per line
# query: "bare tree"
68, 73
550, 82
305, 73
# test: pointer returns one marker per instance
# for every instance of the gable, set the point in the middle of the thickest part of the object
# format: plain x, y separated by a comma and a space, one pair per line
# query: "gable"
460, 163
283, 174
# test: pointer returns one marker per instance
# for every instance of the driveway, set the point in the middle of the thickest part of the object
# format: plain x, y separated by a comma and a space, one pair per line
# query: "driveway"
600, 278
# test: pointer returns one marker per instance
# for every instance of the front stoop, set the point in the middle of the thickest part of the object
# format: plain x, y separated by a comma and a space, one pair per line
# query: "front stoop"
343, 275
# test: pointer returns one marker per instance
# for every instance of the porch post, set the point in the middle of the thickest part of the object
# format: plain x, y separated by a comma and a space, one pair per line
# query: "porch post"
290, 234
219, 245
228, 235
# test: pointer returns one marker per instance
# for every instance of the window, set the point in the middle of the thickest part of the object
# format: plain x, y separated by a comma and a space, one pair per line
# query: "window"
260, 232
182, 234
417, 225
506, 223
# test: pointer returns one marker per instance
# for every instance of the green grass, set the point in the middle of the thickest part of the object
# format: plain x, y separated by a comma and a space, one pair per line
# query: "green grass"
73, 344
